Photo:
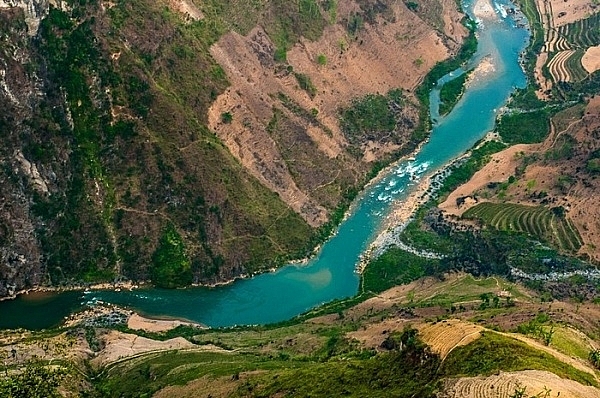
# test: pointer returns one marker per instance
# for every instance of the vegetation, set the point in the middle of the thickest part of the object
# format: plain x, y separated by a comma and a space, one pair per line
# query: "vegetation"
408, 371
463, 172
536, 42
582, 33
34, 381
540, 327
226, 117
322, 59
594, 357
139, 150
373, 117
574, 66
443, 68
170, 265
306, 84
287, 22
524, 127
592, 165
451, 93
396, 267
318, 360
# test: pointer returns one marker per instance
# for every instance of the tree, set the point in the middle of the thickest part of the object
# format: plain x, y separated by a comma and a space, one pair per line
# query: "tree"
546, 335
226, 117
519, 392
594, 358
35, 381
171, 267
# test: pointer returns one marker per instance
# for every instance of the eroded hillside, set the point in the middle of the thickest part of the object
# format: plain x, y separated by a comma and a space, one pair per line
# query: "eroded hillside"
191, 142
285, 113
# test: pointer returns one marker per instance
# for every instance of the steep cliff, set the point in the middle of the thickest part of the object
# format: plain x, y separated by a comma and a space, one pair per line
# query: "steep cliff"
185, 142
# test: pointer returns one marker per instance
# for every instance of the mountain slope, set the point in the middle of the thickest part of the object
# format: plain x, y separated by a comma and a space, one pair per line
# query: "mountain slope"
124, 157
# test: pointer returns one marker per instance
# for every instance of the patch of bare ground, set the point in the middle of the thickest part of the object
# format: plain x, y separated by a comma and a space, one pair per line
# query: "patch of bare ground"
118, 345
373, 335
394, 54
565, 12
205, 386
506, 383
548, 177
545, 85
591, 59
501, 166
187, 9
138, 322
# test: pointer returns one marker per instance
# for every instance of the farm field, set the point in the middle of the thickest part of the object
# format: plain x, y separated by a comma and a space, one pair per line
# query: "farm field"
506, 383
536, 221
444, 336
570, 29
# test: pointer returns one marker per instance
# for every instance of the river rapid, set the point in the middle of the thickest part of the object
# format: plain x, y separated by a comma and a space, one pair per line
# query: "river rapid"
330, 274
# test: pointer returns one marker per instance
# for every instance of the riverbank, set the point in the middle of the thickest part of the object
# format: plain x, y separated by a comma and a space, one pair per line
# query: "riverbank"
401, 215
403, 211
40, 290
108, 315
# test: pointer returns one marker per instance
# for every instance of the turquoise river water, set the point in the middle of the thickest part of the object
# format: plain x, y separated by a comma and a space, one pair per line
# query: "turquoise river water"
330, 275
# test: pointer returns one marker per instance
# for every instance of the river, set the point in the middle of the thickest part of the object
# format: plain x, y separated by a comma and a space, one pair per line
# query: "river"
330, 275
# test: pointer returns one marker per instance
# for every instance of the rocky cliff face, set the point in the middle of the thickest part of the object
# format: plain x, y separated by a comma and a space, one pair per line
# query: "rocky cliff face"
20, 255
34, 11
125, 155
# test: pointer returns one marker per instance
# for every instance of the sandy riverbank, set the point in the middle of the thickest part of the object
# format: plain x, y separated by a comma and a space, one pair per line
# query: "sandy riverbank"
138, 322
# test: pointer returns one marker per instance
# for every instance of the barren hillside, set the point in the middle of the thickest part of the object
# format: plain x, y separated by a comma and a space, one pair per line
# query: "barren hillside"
290, 138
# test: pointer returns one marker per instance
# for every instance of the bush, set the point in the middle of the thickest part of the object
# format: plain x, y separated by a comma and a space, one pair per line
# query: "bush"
524, 128
226, 117
396, 267
170, 266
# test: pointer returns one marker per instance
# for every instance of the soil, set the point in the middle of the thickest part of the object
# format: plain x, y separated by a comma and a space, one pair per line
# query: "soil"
188, 10
205, 386
565, 12
138, 322
119, 345
591, 59
449, 334
501, 166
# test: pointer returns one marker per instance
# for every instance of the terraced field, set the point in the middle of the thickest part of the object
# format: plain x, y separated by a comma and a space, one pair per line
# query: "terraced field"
536, 221
444, 336
583, 33
575, 67
505, 384
557, 66
566, 45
